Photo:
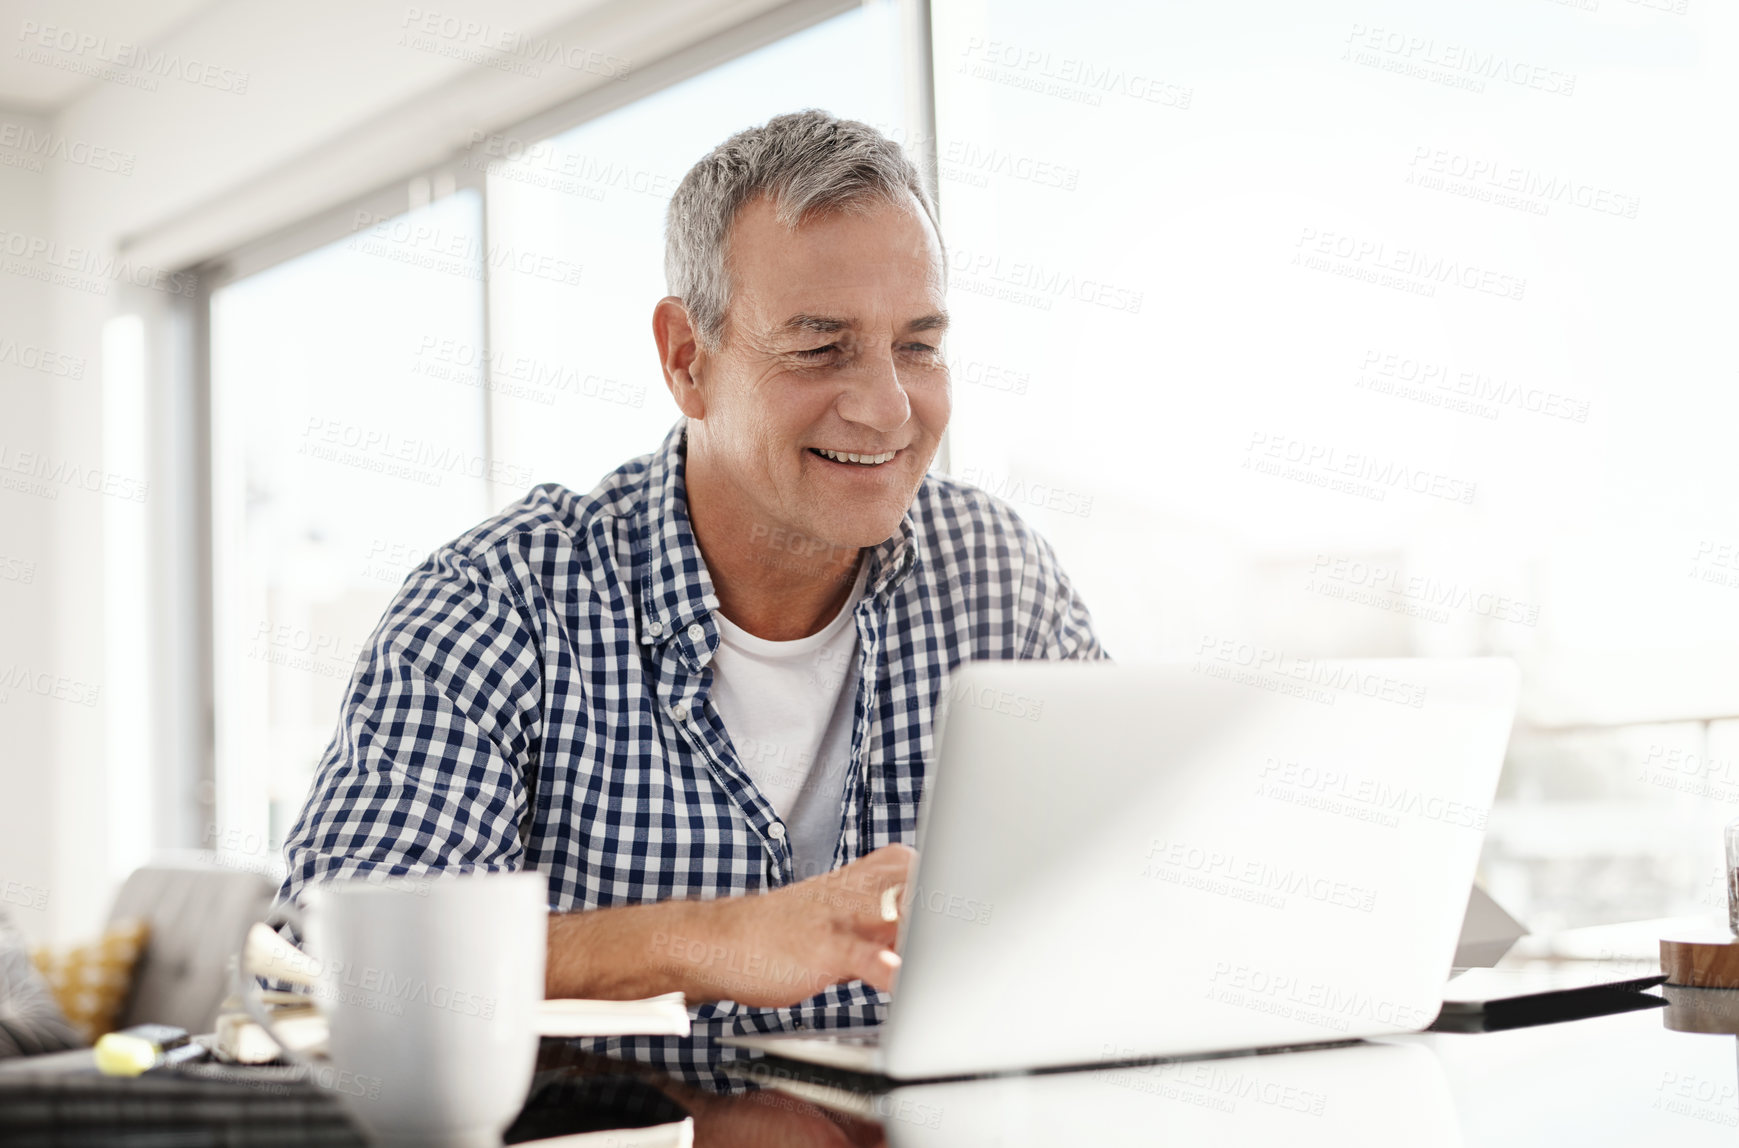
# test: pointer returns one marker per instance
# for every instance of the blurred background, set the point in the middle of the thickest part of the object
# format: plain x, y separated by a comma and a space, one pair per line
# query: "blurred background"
1376, 328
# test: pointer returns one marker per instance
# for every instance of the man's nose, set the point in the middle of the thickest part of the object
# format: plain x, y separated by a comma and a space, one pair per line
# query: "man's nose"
876, 397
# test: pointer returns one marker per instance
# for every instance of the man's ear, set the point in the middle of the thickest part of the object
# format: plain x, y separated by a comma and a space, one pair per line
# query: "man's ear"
680, 354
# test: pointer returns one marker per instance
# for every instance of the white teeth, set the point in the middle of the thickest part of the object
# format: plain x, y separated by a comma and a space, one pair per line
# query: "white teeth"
860, 459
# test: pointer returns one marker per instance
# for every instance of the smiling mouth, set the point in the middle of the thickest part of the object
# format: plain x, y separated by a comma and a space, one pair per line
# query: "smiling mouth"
855, 459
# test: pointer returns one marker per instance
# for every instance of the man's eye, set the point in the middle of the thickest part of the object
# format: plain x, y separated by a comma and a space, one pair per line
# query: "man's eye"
817, 352
921, 348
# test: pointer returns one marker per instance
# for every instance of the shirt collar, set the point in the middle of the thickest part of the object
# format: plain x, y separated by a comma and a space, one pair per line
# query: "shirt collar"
678, 590
892, 562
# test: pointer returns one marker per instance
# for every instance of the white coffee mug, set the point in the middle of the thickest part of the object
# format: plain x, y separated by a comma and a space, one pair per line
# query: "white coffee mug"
431, 989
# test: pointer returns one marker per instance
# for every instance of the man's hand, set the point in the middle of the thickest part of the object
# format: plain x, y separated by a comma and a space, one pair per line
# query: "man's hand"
778, 948
765, 949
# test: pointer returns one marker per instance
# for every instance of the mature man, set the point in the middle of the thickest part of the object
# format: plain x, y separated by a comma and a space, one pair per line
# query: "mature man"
700, 698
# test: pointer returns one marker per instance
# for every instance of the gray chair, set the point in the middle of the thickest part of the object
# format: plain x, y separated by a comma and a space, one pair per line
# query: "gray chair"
199, 913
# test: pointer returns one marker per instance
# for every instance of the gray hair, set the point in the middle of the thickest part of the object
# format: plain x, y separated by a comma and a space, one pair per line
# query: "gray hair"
810, 163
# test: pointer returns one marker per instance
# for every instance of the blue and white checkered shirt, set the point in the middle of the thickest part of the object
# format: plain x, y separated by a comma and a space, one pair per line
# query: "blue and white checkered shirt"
536, 695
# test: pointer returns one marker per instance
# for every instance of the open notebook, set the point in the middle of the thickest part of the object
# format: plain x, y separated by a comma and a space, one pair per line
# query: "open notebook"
240, 1040
665, 1015
270, 956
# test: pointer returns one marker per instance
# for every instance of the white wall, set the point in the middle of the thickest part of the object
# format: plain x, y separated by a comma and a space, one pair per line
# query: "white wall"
27, 582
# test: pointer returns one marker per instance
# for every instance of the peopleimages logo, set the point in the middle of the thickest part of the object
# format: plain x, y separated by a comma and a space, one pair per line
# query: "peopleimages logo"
1066, 77
23, 895
1352, 254
86, 268
1483, 391
546, 163
34, 358
479, 43
1685, 771
380, 990
987, 273
419, 243
1449, 62
18, 570
120, 61
1332, 789
399, 456
954, 905
1416, 595
45, 477
1310, 1002
1253, 879
1206, 1083
37, 146
1310, 671
60, 687
1002, 701
518, 376
1019, 491
728, 965
973, 163
1271, 454
1529, 189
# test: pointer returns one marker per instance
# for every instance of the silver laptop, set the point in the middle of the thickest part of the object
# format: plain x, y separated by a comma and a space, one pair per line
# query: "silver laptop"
1120, 862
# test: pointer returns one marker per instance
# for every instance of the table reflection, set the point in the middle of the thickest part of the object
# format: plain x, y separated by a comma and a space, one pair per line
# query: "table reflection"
1360, 1094
729, 1109
1350, 1095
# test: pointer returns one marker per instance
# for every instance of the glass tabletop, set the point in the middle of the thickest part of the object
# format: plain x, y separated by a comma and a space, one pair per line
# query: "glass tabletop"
1663, 1068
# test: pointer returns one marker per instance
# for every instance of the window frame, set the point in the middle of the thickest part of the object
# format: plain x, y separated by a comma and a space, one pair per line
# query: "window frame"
192, 548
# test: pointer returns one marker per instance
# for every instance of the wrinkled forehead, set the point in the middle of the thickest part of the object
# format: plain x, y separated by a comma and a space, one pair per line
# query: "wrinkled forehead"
873, 263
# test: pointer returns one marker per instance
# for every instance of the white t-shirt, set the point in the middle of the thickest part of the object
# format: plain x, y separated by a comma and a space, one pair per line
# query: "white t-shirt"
788, 707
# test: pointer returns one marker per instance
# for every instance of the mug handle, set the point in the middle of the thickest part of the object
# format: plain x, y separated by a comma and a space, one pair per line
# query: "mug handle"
246, 989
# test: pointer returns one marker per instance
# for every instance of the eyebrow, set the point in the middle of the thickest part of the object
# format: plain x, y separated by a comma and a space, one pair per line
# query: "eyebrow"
832, 325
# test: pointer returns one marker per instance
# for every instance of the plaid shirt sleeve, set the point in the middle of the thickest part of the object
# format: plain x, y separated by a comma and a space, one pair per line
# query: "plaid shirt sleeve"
426, 769
1053, 622
1064, 629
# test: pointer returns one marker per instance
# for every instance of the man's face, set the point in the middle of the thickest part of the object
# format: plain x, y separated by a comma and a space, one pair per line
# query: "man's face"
832, 347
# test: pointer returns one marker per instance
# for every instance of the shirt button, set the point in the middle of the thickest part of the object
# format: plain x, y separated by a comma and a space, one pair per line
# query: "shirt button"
655, 627
679, 711
776, 831
696, 633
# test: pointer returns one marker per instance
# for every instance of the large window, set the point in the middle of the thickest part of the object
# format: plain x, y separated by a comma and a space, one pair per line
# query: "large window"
383, 393
1338, 333
1319, 333
344, 449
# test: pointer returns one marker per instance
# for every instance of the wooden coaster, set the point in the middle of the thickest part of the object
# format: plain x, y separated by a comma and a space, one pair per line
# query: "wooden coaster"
1708, 962
1701, 1010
